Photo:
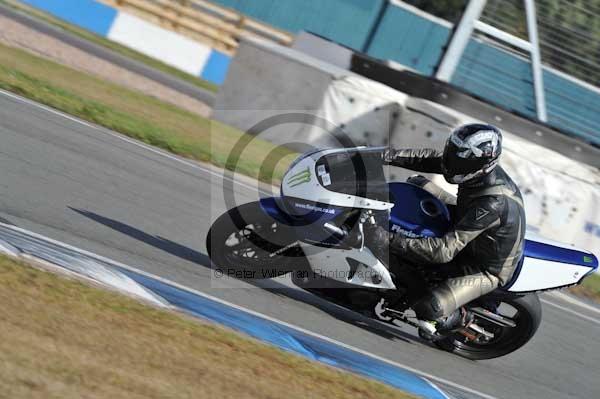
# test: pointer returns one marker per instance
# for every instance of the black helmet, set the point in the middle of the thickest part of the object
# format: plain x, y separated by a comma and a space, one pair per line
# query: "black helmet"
471, 152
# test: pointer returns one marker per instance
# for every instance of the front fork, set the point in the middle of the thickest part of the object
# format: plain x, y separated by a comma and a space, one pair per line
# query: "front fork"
366, 217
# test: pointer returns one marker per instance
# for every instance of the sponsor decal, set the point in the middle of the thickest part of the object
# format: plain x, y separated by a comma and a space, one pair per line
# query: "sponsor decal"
472, 145
326, 179
480, 213
407, 233
314, 208
299, 178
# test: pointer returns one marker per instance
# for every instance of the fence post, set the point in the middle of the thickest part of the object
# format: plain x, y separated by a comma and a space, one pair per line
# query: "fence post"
459, 40
375, 26
536, 61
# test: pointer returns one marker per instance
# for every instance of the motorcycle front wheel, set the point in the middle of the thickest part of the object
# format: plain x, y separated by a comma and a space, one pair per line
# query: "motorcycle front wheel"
247, 243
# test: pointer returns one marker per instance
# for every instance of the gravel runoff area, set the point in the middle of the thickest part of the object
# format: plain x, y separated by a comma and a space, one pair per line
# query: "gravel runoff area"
15, 34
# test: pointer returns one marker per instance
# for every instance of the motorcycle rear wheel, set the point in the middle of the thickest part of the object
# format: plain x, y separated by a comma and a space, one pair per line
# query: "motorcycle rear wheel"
528, 317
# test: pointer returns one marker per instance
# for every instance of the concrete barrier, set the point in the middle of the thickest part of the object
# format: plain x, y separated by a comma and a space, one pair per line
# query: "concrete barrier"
169, 47
259, 87
323, 49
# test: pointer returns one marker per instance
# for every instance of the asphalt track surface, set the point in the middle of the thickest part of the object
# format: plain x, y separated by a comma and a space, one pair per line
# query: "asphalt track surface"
105, 193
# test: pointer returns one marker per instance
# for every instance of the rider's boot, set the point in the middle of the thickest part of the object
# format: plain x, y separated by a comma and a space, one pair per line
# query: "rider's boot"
429, 327
455, 321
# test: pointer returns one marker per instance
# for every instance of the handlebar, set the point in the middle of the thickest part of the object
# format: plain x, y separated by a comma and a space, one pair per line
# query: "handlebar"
335, 230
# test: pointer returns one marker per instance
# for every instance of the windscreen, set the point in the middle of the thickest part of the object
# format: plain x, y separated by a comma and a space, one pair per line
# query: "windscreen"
357, 172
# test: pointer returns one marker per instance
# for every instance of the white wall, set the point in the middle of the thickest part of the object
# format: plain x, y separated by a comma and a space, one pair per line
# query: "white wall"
167, 46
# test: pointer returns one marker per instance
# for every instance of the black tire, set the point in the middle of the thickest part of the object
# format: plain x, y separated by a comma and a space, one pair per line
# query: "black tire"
258, 237
507, 340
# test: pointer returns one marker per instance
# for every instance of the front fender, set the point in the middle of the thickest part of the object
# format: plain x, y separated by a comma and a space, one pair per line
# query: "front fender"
312, 213
272, 207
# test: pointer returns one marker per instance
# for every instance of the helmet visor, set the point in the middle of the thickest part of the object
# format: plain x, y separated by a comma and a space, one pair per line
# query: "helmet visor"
457, 169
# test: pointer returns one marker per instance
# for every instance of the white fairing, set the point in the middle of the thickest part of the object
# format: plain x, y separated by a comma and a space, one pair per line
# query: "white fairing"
300, 181
332, 263
538, 238
540, 274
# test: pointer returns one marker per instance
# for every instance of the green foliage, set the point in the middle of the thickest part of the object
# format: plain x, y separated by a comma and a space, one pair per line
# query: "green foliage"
590, 288
447, 9
64, 339
568, 30
137, 115
126, 51
569, 33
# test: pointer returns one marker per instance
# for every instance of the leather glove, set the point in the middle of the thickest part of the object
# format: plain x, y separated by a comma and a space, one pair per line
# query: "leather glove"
353, 237
378, 236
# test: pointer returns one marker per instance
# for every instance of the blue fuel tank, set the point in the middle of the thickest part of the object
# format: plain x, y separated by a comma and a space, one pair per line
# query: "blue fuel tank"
417, 213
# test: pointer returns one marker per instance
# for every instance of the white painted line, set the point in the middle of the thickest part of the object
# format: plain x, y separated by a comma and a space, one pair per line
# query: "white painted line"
565, 309
7, 249
574, 301
155, 300
317, 335
252, 312
46, 108
128, 140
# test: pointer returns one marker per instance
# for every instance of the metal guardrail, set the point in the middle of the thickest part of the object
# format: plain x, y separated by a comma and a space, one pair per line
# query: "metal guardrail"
219, 27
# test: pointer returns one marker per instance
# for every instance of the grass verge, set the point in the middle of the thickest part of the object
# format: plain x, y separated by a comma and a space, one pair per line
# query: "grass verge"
89, 36
137, 115
590, 288
60, 338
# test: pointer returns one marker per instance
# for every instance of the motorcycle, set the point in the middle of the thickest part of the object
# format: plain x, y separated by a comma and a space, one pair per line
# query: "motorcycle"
330, 195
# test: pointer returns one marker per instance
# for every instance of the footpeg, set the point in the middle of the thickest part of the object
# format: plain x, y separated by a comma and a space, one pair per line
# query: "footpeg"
391, 316
427, 326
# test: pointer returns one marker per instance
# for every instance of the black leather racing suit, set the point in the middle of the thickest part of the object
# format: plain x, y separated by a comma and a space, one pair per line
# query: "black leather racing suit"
485, 244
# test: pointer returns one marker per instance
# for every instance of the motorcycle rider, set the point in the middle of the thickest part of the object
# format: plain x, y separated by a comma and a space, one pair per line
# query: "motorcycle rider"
487, 239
